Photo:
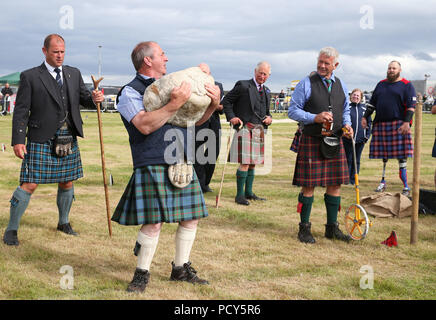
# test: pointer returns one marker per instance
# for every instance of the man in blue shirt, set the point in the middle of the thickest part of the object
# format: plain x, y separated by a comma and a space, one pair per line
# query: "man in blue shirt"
313, 97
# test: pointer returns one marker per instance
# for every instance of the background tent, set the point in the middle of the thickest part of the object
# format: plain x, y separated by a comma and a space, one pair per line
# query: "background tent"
13, 79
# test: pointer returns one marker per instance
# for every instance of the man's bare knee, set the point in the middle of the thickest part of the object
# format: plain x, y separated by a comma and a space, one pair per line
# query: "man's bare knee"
191, 224
29, 187
151, 230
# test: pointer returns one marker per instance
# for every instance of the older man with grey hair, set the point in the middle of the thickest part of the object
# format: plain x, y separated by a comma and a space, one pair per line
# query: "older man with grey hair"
318, 99
247, 105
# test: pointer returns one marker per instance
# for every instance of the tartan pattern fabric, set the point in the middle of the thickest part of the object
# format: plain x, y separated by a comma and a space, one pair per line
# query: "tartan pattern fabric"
248, 145
312, 170
387, 143
150, 198
296, 140
42, 166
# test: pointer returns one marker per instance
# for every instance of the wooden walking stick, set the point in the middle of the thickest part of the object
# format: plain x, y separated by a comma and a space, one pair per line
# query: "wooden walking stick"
103, 164
229, 142
416, 172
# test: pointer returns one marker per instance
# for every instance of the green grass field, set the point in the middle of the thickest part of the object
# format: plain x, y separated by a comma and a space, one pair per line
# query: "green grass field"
245, 252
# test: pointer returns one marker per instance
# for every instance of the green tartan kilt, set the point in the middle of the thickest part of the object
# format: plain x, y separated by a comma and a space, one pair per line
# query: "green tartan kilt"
150, 198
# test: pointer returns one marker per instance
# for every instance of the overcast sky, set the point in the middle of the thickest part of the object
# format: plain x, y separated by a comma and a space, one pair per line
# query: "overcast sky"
230, 35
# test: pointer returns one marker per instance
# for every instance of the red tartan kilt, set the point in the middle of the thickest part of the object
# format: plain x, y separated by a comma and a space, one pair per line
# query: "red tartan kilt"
312, 170
387, 143
248, 146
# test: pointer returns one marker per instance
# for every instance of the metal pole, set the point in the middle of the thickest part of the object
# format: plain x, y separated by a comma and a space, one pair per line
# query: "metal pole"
416, 173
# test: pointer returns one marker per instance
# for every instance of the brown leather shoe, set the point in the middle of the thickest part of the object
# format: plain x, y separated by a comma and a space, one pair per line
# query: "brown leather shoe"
66, 228
139, 281
186, 273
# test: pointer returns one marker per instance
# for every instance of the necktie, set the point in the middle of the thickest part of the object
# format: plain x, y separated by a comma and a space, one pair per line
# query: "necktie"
329, 84
260, 90
58, 77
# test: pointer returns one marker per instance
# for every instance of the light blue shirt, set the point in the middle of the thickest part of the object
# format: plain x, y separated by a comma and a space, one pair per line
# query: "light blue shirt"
130, 102
302, 94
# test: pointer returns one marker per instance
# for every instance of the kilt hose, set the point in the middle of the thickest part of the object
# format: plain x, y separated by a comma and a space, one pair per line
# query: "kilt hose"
248, 145
387, 143
150, 198
42, 166
312, 170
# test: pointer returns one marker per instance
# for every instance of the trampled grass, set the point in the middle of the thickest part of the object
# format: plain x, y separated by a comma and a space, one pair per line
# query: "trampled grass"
245, 252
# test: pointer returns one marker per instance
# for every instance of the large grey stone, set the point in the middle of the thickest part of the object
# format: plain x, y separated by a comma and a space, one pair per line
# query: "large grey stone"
158, 94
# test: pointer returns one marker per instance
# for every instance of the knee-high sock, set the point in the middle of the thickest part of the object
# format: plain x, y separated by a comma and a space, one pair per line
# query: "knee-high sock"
184, 240
332, 204
241, 177
249, 182
64, 201
385, 161
306, 207
19, 202
402, 163
147, 250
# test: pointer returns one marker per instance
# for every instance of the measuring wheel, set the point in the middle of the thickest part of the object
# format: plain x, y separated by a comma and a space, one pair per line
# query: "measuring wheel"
357, 222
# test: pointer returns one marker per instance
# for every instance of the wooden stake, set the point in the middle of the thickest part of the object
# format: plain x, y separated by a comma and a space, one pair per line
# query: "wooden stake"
103, 163
229, 142
416, 173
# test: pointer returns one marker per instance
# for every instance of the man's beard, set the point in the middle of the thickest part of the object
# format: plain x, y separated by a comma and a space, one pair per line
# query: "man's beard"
392, 77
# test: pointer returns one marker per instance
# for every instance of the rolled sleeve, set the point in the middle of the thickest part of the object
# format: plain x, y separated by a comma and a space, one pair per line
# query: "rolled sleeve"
129, 103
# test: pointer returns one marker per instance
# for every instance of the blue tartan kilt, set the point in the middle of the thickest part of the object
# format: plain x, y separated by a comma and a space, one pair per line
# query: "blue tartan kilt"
387, 143
150, 198
42, 166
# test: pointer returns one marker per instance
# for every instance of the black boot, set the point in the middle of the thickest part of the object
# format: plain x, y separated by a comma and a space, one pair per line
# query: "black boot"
186, 273
332, 231
139, 281
10, 238
304, 234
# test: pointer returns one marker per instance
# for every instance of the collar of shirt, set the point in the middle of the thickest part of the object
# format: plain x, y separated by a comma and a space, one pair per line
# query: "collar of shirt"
257, 85
51, 70
144, 76
331, 78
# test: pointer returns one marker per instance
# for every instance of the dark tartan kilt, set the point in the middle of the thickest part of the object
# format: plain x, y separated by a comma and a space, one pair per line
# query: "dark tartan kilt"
150, 198
387, 143
248, 146
312, 170
42, 166
296, 140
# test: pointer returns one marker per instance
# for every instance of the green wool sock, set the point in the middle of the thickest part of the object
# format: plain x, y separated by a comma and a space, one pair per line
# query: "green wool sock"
241, 177
306, 207
249, 182
332, 204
